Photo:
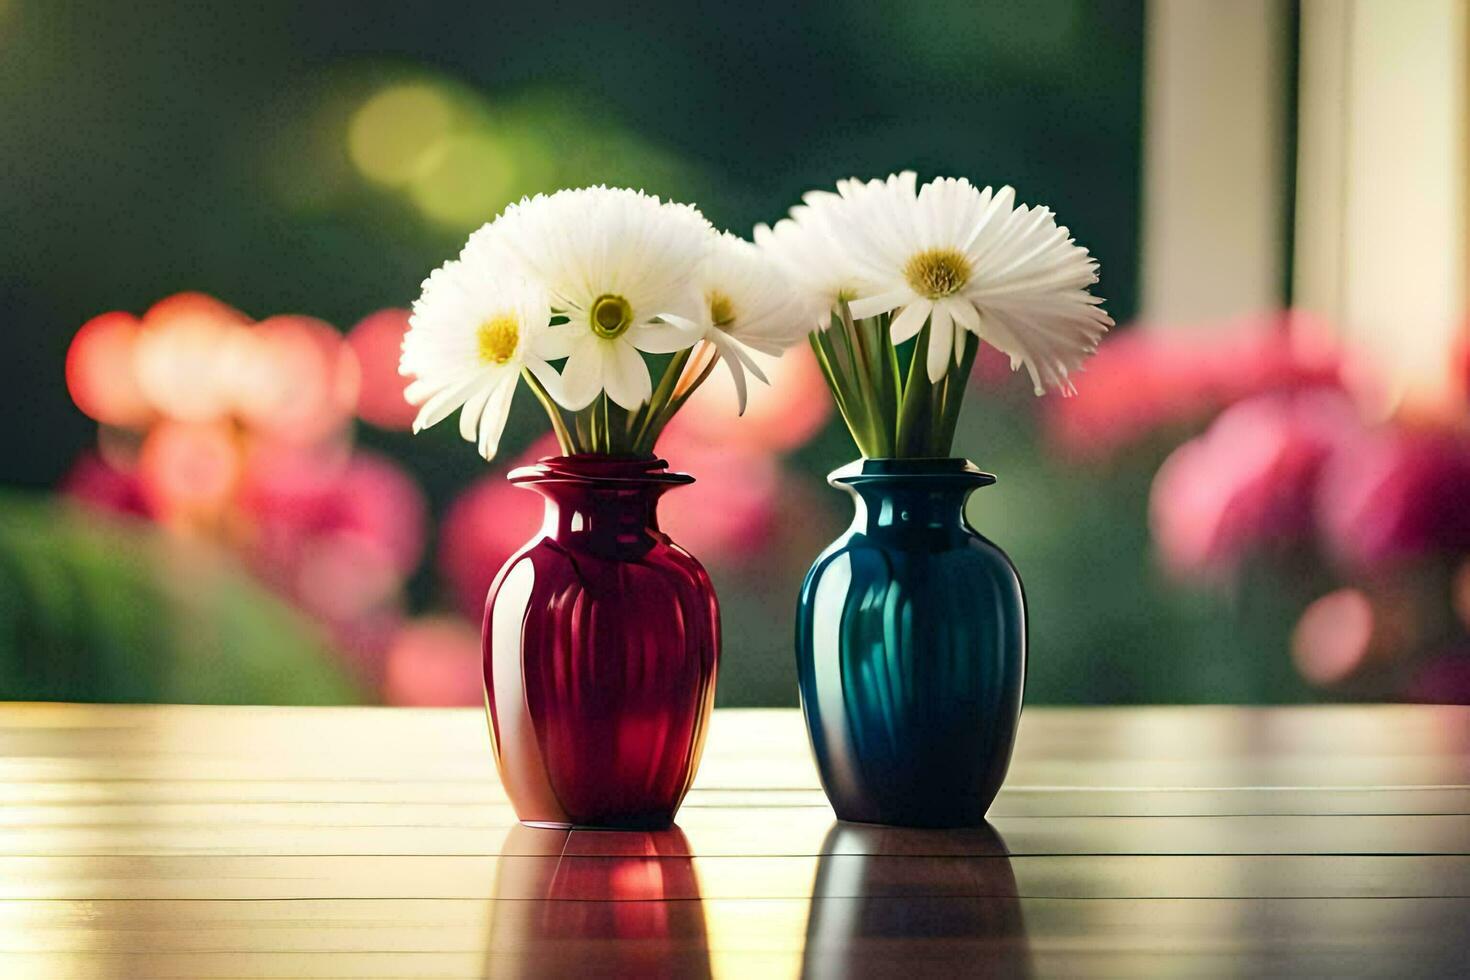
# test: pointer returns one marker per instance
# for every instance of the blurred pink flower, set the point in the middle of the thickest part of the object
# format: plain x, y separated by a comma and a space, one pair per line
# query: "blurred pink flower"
483, 527
338, 535
992, 367
1443, 679
99, 371
1463, 363
1460, 595
1142, 379
1395, 493
1333, 636
434, 661
189, 471
726, 516
784, 415
293, 378
92, 482
339, 576
292, 498
183, 356
377, 340
241, 433
1248, 481
380, 501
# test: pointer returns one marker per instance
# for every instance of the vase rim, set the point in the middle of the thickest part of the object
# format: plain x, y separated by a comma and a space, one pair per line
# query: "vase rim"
940, 469
599, 469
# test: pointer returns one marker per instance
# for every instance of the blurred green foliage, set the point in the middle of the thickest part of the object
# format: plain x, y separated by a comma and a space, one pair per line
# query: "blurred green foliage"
98, 610
196, 146
191, 146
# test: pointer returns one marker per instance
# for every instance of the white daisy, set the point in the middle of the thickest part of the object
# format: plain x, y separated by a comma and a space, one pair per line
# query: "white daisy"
806, 248
613, 262
468, 338
749, 309
970, 260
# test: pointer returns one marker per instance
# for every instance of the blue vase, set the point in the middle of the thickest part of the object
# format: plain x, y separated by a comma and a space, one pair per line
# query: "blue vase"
911, 650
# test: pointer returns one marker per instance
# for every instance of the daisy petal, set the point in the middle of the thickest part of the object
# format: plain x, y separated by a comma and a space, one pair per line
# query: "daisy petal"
964, 314
581, 377
882, 303
624, 375
737, 374
492, 423
474, 407
910, 321
443, 403
550, 380
941, 342
664, 338
751, 364
554, 343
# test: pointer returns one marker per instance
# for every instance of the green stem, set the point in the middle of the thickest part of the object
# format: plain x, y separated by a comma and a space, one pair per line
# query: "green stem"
914, 408
676, 403
615, 419
558, 424
592, 417
894, 372
585, 442
956, 383
845, 359
932, 434
602, 404
660, 396
877, 432
882, 361
839, 393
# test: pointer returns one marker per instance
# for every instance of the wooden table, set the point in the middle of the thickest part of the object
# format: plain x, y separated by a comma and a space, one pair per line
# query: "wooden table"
363, 842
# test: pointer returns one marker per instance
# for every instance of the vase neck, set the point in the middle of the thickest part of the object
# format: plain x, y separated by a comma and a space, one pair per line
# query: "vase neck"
608, 504
910, 496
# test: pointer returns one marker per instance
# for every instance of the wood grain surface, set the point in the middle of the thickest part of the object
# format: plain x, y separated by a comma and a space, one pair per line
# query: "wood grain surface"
194, 842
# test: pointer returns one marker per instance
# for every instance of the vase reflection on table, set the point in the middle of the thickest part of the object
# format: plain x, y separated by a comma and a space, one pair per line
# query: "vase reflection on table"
636, 904
958, 913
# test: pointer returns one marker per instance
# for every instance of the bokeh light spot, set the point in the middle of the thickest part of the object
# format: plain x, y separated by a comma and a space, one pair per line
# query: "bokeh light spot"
781, 416
377, 341
99, 371
1332, 637
397, 133
188, 470
182, 356
432, 661
467, 182
293, 377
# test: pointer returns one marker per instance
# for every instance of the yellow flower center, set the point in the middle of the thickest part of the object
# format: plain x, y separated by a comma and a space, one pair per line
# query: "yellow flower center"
721, 309
498, 337
611, 316
937, 272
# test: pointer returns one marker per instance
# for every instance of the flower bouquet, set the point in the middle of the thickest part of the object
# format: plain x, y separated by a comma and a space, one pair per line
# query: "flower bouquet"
601, 635
911, 627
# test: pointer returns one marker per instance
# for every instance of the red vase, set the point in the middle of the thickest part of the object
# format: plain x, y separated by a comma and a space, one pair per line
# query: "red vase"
601, 642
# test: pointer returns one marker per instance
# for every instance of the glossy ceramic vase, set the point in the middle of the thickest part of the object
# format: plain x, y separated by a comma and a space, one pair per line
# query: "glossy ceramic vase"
601, 642
911, 650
